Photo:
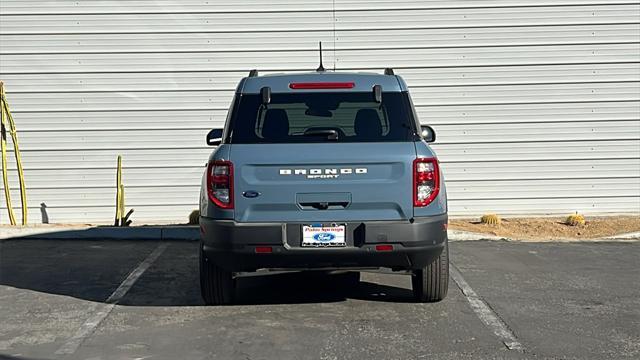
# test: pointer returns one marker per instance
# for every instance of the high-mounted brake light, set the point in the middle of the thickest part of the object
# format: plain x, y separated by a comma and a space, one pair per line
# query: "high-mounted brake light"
426, 181
322, 85
220, 183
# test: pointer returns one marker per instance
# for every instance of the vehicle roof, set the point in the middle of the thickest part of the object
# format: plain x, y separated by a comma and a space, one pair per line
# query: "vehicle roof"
279, 83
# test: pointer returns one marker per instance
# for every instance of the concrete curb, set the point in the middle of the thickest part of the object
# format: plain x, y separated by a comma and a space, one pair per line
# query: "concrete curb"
627, 236
459, 235
192, 233
188, 233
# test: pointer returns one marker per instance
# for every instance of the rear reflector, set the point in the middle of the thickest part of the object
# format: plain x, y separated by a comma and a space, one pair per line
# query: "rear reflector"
323, 85
264, 249
384, 247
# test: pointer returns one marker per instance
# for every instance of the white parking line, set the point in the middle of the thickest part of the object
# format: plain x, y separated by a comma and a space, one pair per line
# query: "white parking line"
101, 311
484, 312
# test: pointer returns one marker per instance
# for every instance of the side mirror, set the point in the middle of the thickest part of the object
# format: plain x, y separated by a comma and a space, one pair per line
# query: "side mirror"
427, 133
214, 137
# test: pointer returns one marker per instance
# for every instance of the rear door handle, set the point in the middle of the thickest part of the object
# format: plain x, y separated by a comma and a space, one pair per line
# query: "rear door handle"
325, 205
323, 201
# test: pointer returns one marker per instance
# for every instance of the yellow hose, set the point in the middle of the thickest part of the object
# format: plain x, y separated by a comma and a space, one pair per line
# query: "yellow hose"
4, 109
121, 203
5, 170
119, 193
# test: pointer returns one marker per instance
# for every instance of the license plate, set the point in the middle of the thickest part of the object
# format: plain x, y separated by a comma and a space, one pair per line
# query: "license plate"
323, 236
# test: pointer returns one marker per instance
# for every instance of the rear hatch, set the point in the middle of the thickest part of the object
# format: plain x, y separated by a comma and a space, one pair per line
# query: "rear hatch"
322, 157
323, 182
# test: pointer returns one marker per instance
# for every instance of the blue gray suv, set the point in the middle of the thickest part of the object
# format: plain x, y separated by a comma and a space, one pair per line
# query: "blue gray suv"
326, 171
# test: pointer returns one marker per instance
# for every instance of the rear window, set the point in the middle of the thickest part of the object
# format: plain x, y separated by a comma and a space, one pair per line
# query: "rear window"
322, 117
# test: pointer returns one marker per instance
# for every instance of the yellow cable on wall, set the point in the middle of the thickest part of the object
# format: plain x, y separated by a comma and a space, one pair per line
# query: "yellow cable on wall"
6, 119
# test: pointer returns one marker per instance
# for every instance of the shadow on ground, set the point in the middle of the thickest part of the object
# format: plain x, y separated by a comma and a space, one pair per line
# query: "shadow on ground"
7, 357
92, 270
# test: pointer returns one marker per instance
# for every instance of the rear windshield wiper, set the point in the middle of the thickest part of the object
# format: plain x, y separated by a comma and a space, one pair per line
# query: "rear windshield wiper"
329, 133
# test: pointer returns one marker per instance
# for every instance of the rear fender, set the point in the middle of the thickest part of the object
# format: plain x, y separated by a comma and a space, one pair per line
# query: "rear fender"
439, 204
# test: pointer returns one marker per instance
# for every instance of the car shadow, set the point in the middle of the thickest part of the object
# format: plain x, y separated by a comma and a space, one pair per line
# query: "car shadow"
93, 269
8, 357
313, 287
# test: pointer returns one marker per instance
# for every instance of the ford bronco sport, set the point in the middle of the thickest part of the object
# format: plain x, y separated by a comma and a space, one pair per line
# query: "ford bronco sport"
326, 171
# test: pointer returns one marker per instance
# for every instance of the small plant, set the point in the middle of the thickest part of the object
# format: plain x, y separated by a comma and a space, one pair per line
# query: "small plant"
194, 217
490, 219
575, 220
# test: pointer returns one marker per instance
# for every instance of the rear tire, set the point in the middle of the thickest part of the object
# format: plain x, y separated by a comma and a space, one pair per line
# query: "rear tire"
217, 285
430, 284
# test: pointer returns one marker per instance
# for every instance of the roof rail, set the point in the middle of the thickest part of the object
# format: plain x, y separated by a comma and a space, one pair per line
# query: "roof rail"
388, 71
253, 73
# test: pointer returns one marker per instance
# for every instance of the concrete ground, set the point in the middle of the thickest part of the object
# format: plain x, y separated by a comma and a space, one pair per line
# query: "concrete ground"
66, 299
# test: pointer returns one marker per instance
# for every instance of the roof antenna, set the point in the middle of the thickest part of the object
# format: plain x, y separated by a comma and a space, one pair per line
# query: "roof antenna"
320, 68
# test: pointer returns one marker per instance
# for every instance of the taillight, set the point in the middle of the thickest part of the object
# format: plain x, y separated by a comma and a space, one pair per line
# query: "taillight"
426, 181
220, 183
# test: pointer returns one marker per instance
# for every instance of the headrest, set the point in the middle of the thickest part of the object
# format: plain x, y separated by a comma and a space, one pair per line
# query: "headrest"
367, 124
275, 125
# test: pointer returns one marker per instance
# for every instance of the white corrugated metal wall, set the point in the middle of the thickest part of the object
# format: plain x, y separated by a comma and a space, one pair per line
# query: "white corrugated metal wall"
536, 103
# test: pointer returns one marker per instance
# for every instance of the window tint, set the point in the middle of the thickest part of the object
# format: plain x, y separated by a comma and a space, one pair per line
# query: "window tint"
322, 117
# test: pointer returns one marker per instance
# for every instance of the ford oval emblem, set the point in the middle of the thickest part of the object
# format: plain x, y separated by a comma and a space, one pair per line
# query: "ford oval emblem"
250, 194
325, 237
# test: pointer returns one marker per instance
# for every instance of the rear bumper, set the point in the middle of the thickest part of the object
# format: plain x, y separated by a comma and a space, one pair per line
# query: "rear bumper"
232, 245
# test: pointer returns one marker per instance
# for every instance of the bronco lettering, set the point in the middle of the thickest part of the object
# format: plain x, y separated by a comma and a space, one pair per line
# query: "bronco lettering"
327, 173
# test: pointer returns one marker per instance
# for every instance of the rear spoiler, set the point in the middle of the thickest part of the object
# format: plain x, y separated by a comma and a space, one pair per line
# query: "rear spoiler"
387, 71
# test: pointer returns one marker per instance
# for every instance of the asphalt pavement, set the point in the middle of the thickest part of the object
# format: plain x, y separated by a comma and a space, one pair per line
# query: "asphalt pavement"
82, 299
